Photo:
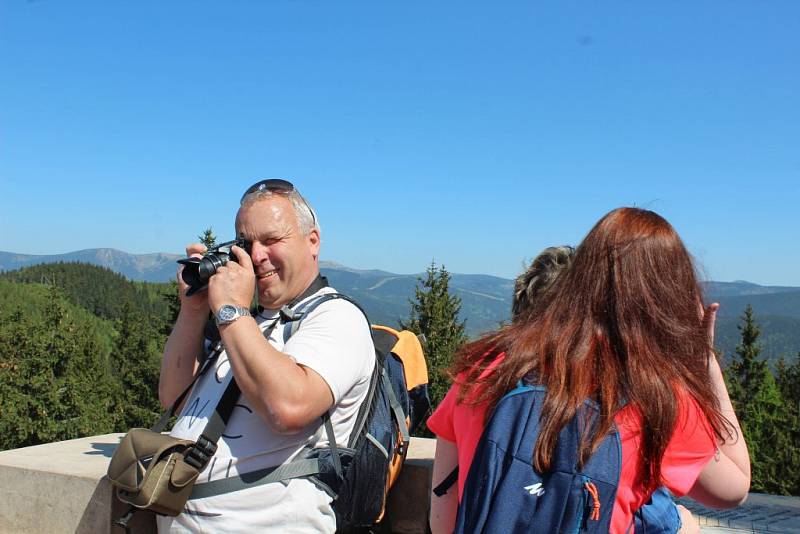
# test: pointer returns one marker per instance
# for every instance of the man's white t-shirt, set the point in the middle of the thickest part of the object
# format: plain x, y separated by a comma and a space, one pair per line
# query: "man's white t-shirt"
334, 340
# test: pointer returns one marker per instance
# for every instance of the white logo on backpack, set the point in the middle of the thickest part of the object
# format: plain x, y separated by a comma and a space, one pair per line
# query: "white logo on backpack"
535, 489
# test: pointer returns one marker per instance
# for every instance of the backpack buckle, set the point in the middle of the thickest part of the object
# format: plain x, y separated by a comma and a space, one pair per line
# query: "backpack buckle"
199, 455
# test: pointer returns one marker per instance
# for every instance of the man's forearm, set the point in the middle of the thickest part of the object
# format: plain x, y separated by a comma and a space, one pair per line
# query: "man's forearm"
179, 363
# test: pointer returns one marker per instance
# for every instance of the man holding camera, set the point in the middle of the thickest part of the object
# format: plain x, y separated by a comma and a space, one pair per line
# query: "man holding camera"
288, 382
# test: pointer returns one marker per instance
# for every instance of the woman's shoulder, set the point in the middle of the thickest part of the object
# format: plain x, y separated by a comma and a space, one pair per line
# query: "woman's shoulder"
471, 384
690, 416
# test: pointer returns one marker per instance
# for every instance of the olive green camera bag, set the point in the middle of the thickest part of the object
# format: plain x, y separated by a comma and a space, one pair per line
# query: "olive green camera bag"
154, 471
149, 471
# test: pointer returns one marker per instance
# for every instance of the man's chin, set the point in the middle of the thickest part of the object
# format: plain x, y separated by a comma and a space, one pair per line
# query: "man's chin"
271, 301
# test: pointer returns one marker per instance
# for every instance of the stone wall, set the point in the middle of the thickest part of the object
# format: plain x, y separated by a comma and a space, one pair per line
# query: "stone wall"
60, 488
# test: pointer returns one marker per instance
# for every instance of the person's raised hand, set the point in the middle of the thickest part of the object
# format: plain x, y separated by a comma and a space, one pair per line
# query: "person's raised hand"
198, 302
710, 320
234, 283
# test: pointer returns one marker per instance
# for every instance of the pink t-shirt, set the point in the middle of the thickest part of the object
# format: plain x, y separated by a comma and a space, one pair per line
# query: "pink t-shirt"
691, 447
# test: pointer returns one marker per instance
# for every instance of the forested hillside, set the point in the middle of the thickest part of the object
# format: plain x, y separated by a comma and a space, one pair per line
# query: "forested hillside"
486, 300
99, 290
79, 352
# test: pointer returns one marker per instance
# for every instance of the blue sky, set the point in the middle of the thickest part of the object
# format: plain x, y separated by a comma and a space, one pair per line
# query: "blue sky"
472, 134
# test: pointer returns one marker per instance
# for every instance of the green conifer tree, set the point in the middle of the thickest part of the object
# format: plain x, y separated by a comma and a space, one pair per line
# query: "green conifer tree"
28, 389
758, 405
136, 360
171, 296
434, 313
208, 238
54, 385
788, 378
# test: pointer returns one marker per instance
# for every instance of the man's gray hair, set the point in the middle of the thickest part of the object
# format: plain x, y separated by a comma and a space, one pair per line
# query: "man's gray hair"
539, 276
306, 216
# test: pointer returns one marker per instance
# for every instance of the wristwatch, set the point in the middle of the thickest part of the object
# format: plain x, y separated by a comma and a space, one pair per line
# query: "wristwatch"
227, 313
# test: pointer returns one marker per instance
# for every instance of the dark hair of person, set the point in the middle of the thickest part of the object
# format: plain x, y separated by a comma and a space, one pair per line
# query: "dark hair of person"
538, 277
622, 324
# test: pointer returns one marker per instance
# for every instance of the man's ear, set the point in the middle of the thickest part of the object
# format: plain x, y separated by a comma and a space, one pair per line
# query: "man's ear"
314, 242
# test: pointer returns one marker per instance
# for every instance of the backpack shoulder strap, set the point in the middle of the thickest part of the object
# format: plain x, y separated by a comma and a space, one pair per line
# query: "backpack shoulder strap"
449, 481
294, 320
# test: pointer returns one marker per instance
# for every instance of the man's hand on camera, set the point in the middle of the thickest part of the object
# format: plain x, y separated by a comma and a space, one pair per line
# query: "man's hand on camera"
234, 283
199, 301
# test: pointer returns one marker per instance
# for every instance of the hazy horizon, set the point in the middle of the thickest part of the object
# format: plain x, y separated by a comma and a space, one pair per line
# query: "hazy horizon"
335, 263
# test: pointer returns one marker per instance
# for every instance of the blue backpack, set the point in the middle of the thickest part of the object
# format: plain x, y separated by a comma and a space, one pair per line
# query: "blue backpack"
503, 492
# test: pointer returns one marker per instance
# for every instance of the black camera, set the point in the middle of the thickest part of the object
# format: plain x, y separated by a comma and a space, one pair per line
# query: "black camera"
197, 271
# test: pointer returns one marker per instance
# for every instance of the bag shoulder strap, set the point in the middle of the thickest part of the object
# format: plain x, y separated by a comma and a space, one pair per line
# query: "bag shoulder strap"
161, 424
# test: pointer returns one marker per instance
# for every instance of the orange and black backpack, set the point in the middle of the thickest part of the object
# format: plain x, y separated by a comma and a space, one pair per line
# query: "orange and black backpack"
359, 474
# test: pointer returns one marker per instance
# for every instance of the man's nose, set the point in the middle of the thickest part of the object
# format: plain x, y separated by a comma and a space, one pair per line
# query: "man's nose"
259, 253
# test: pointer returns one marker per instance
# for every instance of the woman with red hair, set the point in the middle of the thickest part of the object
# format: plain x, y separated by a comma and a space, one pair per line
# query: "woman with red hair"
625, 327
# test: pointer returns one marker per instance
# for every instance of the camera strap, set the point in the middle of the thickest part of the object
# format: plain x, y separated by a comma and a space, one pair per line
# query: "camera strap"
169, 412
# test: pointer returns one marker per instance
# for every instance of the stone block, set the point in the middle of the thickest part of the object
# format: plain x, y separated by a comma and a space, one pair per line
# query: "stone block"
61, 488
409, 500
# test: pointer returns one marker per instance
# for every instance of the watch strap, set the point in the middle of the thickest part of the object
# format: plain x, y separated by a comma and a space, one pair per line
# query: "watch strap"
240, 312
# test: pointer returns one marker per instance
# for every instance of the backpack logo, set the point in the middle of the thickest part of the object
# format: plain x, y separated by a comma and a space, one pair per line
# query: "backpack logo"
535, 489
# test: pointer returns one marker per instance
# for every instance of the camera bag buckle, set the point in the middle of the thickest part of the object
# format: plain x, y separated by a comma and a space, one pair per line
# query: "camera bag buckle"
123, 521
201, 453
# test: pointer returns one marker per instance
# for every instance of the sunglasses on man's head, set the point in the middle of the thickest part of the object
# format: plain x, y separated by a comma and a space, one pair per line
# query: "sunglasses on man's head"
273, 184
278, 185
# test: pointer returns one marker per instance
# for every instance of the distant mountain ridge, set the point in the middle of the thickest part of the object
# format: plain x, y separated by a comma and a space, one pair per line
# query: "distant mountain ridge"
739, 288
486, 300
155, 267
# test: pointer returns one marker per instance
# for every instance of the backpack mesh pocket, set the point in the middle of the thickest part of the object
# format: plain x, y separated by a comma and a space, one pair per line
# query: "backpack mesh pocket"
362, 494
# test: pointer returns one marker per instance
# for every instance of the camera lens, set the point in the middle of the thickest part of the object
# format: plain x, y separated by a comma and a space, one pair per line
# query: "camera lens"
197, 271
191, 272
210, 263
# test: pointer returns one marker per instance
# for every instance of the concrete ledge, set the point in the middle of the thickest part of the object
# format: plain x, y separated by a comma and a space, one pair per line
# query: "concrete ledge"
760, 513
57, 487
61, 487
409, 501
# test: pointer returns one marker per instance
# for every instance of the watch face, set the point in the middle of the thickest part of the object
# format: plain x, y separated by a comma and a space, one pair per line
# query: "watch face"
227, 313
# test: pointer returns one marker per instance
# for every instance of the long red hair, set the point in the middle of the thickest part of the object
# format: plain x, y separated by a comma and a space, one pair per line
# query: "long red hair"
622, 325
